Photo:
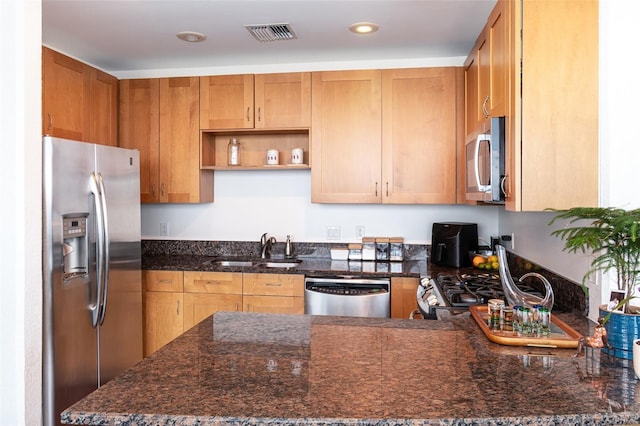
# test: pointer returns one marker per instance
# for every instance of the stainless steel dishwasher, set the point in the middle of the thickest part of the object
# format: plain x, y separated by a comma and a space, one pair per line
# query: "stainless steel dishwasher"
347, 296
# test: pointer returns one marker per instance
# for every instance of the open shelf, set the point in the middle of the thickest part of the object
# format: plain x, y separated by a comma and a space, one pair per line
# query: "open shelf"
253, 148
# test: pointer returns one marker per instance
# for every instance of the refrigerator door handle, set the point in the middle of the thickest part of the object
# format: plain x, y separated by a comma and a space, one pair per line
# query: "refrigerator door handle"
106, 253
97, 199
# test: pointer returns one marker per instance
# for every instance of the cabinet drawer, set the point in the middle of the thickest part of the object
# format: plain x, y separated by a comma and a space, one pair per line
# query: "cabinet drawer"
213, 282
274, 304
274, 284
163, 281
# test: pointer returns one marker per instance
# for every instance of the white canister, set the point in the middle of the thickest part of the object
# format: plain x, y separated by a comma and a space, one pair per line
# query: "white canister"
273, 157
297, 156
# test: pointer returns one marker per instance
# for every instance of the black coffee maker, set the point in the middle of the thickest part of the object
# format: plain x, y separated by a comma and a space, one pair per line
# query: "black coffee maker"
451, 243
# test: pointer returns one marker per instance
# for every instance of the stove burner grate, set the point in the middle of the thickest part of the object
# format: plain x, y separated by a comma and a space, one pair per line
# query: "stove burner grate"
468, 289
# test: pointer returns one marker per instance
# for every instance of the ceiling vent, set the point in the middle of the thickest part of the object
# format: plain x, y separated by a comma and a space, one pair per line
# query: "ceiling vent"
271, 32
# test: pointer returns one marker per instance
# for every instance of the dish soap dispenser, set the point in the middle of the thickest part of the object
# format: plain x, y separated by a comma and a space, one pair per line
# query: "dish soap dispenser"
288, 249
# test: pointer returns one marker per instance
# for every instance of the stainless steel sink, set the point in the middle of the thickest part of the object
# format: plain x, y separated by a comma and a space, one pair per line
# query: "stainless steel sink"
233, 263
292, 264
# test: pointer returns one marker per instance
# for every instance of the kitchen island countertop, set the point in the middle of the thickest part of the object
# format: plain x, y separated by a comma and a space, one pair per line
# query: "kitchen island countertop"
249, 369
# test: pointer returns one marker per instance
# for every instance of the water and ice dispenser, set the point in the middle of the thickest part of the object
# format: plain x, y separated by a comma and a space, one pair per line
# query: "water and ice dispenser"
75, 245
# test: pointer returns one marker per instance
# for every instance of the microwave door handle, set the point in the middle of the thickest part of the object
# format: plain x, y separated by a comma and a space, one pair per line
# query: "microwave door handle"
481, 137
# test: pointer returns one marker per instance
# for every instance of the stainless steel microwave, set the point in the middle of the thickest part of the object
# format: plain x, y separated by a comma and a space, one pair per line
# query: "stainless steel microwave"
485, 171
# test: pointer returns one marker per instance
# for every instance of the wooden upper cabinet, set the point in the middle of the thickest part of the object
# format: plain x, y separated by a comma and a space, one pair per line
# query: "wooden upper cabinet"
79, 102
552, 124
385, 136
282, 100
226, 102
104, 108
498, 30
139, 129
419, 131
263, 101
346, 137
160, 118
486, 71
66, 88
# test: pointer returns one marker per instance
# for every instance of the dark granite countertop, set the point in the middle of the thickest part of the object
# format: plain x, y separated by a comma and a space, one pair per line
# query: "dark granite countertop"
250, 369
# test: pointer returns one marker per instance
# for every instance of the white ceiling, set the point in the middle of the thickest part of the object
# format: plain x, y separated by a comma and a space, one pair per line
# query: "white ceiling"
130, 35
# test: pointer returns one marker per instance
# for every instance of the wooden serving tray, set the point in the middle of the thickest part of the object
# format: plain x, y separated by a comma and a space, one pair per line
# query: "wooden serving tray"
562, 335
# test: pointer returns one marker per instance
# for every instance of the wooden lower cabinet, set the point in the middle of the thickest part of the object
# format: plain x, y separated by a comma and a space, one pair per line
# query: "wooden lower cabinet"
163, 308
274, 304
403, 296
273, 293
198, 306
163, 319
210, 292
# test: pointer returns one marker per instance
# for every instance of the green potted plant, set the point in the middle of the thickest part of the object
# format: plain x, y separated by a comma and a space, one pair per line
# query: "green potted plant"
611, 235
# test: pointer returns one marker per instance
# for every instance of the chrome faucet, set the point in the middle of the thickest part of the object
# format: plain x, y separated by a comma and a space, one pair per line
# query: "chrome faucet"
265, 245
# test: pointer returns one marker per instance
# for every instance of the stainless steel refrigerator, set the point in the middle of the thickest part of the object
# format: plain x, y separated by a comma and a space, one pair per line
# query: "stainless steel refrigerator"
92, 310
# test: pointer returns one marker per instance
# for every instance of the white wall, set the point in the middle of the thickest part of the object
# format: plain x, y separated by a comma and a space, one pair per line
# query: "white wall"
249, 203
20, 278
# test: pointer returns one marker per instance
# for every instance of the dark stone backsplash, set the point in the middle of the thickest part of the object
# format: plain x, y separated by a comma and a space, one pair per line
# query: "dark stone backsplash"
252, 249
568, 295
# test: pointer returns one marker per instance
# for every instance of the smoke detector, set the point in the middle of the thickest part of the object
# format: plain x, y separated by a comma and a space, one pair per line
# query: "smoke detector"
271, 32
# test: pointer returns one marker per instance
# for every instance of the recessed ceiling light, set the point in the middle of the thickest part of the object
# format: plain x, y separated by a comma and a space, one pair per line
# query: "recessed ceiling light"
363, 28
191, 36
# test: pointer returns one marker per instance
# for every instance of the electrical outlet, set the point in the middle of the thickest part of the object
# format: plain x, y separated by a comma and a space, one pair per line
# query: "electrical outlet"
333, 232
359, 231
164, 229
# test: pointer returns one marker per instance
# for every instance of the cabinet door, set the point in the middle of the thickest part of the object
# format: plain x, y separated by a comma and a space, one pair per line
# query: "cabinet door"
103, 120
274, 304
498, 33
181, 180
553, 128
199, 306
346, 137
471, 82
282, 100
140, 129
226, 102
403, 296
66, 91
163, 319
273, 284
213, 282
419, 122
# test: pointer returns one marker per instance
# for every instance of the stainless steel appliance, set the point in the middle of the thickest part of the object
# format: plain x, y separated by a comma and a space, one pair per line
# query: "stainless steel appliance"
451, 243
348, 296
92, 294
485, 161
452, 293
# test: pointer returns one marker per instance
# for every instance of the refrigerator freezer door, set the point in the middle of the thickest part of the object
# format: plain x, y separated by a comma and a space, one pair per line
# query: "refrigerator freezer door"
70, 341
120, 334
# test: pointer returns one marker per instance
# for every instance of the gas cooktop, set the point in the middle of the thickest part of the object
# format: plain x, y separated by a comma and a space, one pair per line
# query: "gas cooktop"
456, 292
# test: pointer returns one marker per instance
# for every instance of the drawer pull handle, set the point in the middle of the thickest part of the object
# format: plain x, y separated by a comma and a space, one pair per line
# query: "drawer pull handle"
165, 281
177, 307
212, 282
273, 284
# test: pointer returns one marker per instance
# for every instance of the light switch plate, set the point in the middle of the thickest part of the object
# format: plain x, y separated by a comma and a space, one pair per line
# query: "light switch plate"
333, 232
